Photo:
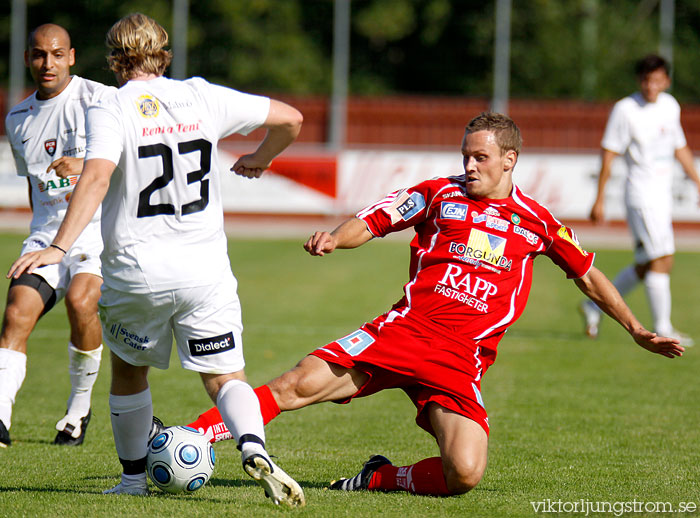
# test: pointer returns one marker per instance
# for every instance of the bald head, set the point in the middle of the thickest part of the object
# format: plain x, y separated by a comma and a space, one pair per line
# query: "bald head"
50, 31
49, 57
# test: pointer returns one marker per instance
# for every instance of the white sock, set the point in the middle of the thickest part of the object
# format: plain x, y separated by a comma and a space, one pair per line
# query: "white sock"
626, 280
13, 369
658, 288
83, 367
240, 410
132, 417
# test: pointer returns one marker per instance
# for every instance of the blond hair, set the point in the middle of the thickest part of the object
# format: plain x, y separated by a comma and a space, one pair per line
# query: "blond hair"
504, 129
137, 43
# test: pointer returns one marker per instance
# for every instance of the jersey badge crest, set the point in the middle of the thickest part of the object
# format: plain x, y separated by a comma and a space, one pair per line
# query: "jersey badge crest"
148, 106
451, 210
515, 219
356, 342
50, 146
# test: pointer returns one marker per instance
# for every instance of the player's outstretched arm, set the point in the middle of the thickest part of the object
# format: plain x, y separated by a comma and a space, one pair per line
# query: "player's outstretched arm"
351, 233
87, 196
283, 124
598, 288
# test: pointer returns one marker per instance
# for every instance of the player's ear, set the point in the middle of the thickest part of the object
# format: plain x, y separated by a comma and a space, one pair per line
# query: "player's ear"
510, 158
71, 57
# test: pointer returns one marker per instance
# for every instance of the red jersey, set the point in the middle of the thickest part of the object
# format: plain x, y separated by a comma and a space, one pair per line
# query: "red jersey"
471, 259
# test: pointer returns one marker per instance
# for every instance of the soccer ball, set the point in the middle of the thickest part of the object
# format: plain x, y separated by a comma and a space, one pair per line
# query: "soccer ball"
180, 459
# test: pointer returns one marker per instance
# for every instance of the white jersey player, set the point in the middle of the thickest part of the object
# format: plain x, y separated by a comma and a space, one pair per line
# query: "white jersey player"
47, 136
152, 157
645, 128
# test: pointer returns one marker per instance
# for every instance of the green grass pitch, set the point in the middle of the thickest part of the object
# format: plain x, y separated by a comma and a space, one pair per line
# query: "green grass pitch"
571, 419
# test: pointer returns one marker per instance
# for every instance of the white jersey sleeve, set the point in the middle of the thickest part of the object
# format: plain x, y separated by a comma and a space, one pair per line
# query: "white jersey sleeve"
234, 111
617, 134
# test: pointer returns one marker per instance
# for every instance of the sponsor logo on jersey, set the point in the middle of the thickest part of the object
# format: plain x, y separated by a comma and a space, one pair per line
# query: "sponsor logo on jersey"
530, 236
515, 219
17, 112
491, 220
451, 210
491, 211
483, 247
50, 146
174, 105
452, 194
58, 183
467, 288
178, 128
568, 235
406, 206
356, 342
213, 345
125, 336
148, 106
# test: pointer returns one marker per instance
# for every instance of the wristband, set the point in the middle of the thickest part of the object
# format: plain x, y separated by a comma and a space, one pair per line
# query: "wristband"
58, 247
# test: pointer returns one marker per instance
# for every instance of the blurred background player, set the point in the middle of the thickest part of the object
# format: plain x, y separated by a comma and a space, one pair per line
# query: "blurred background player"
47, 136
470, 273
645, 127
152, 157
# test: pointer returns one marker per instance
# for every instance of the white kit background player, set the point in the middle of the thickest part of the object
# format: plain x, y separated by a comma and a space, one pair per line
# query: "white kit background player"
645, 127
47, 136
152, 157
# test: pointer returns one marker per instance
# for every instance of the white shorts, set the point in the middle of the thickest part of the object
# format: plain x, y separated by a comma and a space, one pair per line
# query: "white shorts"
652, 230
205, 320
77, 260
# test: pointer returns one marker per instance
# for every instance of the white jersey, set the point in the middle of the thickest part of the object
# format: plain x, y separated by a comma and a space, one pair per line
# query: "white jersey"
647, 134
43, 131
162, 218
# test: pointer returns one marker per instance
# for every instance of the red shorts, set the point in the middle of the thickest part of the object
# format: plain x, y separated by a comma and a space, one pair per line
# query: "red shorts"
423, 358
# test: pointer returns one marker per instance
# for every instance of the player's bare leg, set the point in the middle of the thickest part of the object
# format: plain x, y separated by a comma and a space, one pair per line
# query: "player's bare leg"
84, 353
240, 411
22, 311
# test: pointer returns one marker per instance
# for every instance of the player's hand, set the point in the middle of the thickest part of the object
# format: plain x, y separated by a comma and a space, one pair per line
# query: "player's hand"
250, 166
33, 260
663, 345
597, 215
320, 243
66, 166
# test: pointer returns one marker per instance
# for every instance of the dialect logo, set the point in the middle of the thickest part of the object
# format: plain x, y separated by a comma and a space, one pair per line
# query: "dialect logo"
451, 210
148, 106
50, 146
212, 345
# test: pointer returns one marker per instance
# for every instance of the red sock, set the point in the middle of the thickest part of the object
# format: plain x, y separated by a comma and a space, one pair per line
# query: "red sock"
212, 425
422, 478
268, 406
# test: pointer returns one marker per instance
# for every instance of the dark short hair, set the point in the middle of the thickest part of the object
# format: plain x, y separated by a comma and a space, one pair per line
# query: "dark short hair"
504, 129
651, 63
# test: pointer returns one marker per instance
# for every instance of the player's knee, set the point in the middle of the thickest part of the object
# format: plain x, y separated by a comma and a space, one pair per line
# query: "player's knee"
291, 390
17, 318
463, 477
81, 304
